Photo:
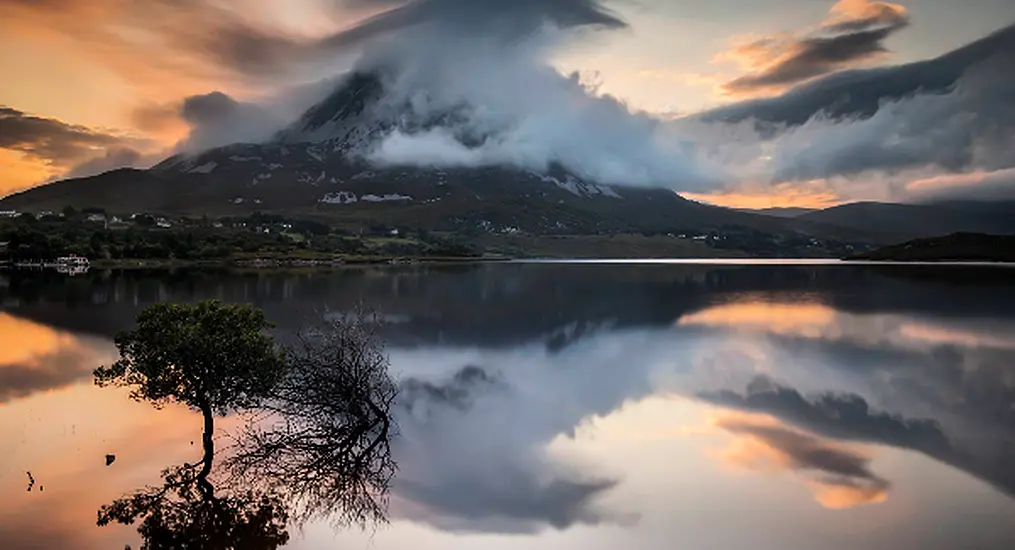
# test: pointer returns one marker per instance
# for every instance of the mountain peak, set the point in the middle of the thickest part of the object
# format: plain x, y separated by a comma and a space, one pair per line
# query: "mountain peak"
351, 99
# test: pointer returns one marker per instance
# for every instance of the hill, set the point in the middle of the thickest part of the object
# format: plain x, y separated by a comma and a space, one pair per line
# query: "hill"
781, 212
912, 221
954, 247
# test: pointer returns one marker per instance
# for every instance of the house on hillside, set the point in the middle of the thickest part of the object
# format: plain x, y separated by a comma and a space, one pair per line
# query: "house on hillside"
9, 213
97, 218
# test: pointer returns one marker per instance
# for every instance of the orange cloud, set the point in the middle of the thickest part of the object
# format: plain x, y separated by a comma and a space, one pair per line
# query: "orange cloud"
957, 337
840, 496
781, 196
144, 53
976, 185
863, 13
851, 35
800, 319
35, 358
838, 475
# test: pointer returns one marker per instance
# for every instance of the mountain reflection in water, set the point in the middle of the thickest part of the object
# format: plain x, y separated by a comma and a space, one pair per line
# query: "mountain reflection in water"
591, 406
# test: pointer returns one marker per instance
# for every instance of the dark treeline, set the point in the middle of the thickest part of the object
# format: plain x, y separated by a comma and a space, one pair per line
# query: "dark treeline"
30, 239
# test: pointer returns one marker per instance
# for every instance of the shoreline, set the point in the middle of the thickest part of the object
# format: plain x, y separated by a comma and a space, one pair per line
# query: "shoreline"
360, 261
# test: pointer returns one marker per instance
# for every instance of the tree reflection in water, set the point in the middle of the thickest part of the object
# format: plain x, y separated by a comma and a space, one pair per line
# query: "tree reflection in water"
315, 444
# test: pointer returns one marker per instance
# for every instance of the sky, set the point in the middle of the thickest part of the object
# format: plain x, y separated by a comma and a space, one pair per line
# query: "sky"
99, 84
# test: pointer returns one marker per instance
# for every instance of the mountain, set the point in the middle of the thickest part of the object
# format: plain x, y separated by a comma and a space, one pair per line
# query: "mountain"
954, 247
312, 169
781, 212
911, 221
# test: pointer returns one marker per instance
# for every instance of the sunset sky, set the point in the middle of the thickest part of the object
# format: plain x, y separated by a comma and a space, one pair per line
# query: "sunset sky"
98, 84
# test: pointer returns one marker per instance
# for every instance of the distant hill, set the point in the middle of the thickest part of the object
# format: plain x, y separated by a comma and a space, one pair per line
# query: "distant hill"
954, 247
913, 221
780, 212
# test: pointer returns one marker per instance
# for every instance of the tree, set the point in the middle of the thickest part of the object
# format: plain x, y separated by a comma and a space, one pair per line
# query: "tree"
319, 446
178, 517
212, 357
323, 440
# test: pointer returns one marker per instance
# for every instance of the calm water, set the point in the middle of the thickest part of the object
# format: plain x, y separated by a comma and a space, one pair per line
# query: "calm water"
625, 406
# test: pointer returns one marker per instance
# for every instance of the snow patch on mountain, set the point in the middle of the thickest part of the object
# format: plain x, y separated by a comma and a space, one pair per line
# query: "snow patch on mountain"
580, 188
385, 198
205, 168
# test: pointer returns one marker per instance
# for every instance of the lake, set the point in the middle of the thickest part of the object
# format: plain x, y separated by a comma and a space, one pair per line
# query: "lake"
593, 406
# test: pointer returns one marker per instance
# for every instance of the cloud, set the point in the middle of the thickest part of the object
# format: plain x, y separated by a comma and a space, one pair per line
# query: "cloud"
839, 476
443, 101
838, 416
858, 15
37, 358
506, 19
215, 119
123, 157
49, 371
849, 417
869, 134
854, 33
185, 39
456, 477
976, 185
55, 142
459, 392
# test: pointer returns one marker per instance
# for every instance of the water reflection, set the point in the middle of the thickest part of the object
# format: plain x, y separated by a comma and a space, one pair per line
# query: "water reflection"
624, 406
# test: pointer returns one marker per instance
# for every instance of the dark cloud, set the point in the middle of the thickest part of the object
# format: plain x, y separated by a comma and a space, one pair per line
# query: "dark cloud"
816, 56
952, 114
510, 500
862, 93
834, 467
46, 372
849, 417
514, 18
459, 392
856, 34
199, 37
215, 119
55, 142
837, 416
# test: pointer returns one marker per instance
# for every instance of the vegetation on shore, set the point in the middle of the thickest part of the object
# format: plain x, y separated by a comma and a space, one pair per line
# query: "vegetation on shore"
957, 247
116, 242
265, 240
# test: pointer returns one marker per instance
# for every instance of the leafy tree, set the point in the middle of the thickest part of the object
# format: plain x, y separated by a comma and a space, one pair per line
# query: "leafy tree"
178, 517
317, 443
211, 357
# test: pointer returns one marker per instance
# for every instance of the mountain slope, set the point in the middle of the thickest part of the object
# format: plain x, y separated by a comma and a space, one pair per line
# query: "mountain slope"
954, 247
911, 221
